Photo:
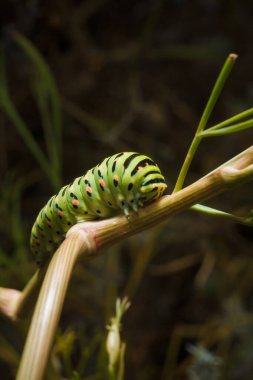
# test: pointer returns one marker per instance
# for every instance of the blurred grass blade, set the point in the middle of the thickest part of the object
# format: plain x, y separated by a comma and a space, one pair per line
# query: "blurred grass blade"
10, 110
48, 100
41, 98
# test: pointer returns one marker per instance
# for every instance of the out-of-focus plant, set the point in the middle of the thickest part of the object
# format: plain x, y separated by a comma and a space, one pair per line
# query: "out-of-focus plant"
13, 248
205, 365
114, 344
48, 101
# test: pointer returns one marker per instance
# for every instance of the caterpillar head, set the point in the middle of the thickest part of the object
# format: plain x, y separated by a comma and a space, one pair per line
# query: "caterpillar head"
151, 191
146, 187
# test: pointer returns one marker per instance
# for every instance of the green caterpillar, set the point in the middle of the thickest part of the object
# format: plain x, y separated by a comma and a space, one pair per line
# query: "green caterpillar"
123, 182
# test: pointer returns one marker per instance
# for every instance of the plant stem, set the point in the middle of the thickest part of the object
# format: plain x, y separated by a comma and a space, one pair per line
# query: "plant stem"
227, 67
222, 215
210, 132
121, 369
48, 308
233, 119
90, 237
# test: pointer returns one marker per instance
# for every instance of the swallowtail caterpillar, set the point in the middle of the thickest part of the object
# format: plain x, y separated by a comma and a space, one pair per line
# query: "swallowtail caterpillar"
123, 182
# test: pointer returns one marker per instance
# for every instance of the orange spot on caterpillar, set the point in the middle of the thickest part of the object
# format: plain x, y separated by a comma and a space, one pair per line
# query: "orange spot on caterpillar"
89, 189
75, 202
102, 183
116, 177
140, 167
60, 213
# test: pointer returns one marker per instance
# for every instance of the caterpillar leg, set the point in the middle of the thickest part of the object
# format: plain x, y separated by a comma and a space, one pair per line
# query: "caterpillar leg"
132, 205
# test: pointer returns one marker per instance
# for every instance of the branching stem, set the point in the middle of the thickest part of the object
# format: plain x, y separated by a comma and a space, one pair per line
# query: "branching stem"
89, 238
227, 67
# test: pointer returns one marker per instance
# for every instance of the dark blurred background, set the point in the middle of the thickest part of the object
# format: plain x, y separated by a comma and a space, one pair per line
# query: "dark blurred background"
132, 76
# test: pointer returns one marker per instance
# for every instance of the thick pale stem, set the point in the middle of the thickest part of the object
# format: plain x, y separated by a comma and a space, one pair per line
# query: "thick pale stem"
14, 303
48, 308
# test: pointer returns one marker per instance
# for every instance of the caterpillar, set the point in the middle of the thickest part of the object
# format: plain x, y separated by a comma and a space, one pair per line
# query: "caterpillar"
123, 182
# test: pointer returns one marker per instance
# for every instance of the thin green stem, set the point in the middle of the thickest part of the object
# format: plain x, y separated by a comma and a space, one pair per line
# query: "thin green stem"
222, 214
112, 374
227, 130
232, 120
187, 162
121, 369
226, 69
219, 84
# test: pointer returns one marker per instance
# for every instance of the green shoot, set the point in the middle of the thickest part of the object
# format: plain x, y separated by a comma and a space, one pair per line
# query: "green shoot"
220, 82
232, 125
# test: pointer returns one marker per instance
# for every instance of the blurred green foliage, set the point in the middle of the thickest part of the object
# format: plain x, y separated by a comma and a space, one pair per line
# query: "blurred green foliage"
132, 75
